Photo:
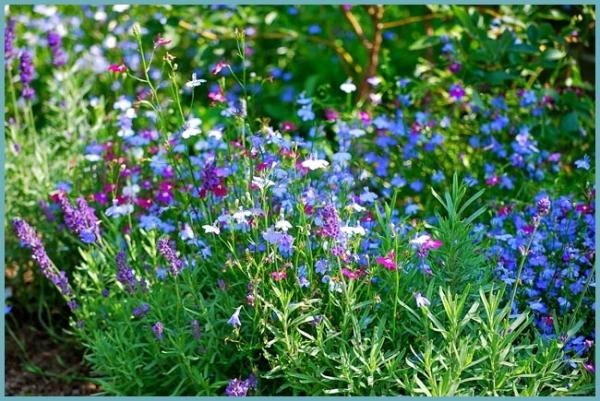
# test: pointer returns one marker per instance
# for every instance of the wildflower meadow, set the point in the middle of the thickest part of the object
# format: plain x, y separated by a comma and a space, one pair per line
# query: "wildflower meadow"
300, 200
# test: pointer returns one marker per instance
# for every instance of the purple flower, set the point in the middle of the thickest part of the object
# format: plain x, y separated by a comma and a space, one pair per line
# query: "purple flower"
285, 244
167, 249
9, 38
28, 236
457, 92
30, 239
80, 220
158, 328
196, 332
543, 206
124, 273
331, 221
237, 388
59, 58
141, 311
26, 71
234, 320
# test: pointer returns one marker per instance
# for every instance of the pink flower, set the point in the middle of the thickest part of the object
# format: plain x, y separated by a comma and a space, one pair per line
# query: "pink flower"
388, 261
288, 126
118, 68
331, 115
161, 41
280, 275
217, 97
219, 67
352, 275
365, 117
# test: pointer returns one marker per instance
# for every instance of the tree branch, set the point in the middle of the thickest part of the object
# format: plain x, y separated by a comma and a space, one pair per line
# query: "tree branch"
376, 13
356, 27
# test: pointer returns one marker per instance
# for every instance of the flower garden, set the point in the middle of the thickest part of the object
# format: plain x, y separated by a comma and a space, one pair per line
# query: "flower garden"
304, 200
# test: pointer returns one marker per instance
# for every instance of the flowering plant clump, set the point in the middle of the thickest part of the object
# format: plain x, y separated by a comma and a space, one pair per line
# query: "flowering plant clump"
409, 243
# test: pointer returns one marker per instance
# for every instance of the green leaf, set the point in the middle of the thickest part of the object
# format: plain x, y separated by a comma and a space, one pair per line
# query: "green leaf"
569, 123
553, 54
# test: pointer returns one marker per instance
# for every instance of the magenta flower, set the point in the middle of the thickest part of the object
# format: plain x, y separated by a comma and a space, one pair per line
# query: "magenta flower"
388, 261
118, 68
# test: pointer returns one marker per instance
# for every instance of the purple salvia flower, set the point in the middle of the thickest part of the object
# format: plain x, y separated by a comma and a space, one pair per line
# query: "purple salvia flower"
59, 58
237, 388
72, 303
141, 311
158, 328
196, 332
26, 234
91, 230
331, 221
124, 272
251, 381
543, 206
26, 71
9, 38
30, 239
46, 210
167, 249
81, 220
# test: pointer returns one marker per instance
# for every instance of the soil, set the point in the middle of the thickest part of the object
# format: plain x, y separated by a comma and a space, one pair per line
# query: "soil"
42, 365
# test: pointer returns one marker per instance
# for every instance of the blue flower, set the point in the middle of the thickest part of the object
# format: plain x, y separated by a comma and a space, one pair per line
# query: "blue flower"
583, 163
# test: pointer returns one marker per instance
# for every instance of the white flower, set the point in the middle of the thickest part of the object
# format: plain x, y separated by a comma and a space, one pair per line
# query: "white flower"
348, 86
374, 81
357, 208
120, 7
420, 240
116, 210
421, 301
364, 174
208, 229
92, 157
240, 217
195, 81
215, 133
315, 164
192, 128
375, 98
283, 225
356, 132
122, 104
262, 183
358, 230
131, 190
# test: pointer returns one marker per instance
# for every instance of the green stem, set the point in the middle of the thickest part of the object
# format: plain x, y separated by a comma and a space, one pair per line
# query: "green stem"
514, 290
